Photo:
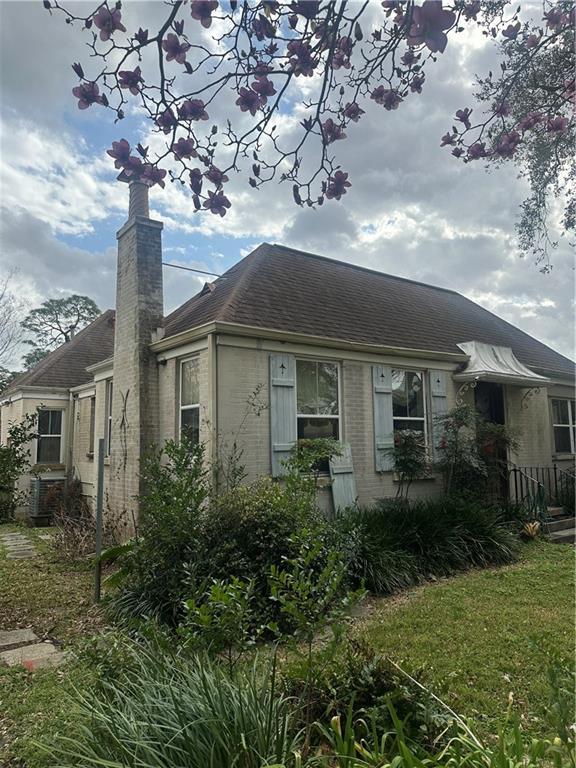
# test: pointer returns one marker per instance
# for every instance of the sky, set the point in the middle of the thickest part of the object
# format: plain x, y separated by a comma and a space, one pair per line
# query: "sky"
412, 211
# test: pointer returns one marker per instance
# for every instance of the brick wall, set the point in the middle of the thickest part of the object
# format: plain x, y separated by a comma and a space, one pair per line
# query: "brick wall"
139, 313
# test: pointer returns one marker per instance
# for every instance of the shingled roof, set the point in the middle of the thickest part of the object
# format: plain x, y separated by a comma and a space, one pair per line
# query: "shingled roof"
66, 366
281, 288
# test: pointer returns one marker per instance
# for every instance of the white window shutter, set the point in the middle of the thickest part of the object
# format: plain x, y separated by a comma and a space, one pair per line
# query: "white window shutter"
283, 433
344, 491
383, 417
439, 399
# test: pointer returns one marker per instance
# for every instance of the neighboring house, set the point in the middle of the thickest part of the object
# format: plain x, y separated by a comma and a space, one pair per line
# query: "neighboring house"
284, 345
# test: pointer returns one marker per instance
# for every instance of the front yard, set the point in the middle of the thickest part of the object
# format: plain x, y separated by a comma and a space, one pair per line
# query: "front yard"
477, 636
485, 634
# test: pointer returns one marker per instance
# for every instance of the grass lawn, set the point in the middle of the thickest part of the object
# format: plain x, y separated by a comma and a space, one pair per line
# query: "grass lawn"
54, 599
479, 636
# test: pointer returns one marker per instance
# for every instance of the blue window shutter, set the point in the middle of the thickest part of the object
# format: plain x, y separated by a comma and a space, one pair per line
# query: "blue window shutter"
283, 433
383, 417
344, 491
439, 399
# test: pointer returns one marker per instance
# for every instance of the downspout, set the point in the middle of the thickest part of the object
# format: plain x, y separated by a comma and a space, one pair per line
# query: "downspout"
213, 355
73, 399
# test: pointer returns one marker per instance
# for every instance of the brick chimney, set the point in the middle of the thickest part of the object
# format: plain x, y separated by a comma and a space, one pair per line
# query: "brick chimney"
139, 314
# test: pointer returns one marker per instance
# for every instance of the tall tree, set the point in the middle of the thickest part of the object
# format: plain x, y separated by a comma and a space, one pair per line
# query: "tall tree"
54, 322
222, 82
10, 330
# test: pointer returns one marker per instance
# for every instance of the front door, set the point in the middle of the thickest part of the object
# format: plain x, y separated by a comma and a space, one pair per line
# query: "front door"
489, 400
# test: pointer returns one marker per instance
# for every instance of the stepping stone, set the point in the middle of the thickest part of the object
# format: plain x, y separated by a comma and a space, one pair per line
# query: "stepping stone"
14, 637
20, 554
33, 656
45, 536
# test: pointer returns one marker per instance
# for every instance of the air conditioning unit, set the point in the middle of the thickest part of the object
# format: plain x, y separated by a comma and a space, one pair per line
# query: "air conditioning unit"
42, 501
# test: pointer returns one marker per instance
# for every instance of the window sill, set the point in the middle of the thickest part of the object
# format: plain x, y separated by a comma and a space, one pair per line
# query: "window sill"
421, 479
563, 456
38, 469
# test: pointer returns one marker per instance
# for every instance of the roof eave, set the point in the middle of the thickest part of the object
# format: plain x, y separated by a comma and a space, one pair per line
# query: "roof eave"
237, 329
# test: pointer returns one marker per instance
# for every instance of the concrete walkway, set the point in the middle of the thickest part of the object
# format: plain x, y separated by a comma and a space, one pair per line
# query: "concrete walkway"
18, 546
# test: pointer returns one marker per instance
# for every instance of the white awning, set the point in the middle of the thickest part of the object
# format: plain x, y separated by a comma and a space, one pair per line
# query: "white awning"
498, 364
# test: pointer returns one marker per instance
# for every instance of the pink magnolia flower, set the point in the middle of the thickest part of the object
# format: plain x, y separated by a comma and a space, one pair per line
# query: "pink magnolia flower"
193, 109
141, 36
532, 41
557, 124
463, 115
428, 24
166, 120
332, 131
471, 10
184, 148
175, 50
555, 19
410, 58
337, 185
508, 143
342, 53
120, 152
389, 99
476, 150
196, 177
216, 176
502, 109
202, 11
530, 121
448, 139
417, 83
263, 87
352, 111
217, 203
108, 22
133, 166
307, 8
301, 59
131, 79
458, 151
262, 28
249, 101
152, 175
87, 94
511, 31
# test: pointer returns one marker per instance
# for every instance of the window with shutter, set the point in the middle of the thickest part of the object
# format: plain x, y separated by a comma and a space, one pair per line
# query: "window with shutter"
439, 401
283, 433
383, 417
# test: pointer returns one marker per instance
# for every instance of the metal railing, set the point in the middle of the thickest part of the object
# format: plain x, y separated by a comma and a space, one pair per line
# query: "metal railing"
529, 491
558, 483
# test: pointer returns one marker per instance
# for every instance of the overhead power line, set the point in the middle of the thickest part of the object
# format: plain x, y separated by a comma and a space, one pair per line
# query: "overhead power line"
191, 269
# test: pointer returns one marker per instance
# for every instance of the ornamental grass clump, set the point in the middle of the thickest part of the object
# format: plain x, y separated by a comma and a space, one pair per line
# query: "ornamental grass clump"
396, 545
167, 711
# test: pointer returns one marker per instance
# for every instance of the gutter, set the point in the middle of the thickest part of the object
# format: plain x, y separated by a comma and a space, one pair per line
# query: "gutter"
235, 329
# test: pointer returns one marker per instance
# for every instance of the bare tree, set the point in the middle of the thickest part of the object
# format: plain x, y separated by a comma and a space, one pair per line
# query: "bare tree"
10, 330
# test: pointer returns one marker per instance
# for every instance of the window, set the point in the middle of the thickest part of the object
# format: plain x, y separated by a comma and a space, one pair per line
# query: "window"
190, 400
108, 423
408, 401
563, 424
317, 400
49, 446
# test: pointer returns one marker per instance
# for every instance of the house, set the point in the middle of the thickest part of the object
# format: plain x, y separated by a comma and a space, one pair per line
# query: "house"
284, 345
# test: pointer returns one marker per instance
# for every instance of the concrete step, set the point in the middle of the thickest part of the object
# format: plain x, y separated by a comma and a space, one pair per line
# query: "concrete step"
561, 523
10, 639
33, 656
567, 536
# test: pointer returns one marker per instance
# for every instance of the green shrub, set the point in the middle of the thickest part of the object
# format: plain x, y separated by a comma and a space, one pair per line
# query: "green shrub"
358, 679
154, 568
15, 461
396, 545
167, 710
